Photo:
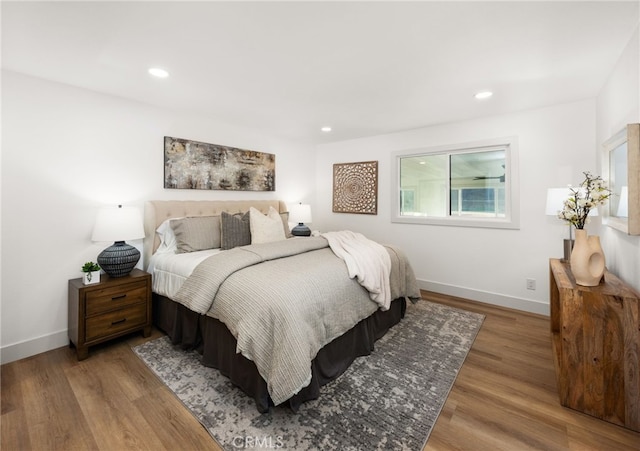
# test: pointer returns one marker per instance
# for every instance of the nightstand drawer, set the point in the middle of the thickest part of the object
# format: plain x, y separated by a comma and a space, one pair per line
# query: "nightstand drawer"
99, 301
116, 321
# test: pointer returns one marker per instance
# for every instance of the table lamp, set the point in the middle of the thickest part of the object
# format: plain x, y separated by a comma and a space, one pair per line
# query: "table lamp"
118, 225
555, 204
300, 213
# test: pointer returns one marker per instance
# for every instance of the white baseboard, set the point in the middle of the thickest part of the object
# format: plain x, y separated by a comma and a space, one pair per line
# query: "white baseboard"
34, 346
527, 305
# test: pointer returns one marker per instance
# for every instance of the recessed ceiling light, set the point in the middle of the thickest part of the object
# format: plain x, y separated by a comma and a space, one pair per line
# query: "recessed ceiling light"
326, 129
483, 95
157, 72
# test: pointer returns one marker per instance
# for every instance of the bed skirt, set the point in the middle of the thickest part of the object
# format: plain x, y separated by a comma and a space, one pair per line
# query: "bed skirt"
212, 339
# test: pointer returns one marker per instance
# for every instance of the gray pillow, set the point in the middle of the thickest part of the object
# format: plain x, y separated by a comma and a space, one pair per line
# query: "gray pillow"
196, 233
235, 230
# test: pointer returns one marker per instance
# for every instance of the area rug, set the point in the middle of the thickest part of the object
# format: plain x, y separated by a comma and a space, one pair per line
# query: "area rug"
388, 400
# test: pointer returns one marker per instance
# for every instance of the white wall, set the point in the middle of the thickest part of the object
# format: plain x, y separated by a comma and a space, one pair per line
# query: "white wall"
65, 153
556, 144
618, 104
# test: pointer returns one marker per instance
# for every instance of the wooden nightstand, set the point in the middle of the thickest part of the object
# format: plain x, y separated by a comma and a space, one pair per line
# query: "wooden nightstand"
109, 309
596, 346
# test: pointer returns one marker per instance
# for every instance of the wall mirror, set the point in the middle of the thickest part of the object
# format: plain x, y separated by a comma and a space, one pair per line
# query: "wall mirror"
622, 163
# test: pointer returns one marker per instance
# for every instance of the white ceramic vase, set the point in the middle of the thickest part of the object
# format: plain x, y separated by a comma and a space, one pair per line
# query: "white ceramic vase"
587, 259
89, 278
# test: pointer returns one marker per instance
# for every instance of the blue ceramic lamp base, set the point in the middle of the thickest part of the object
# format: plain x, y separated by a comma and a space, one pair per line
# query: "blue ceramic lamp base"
301, 230
118, 259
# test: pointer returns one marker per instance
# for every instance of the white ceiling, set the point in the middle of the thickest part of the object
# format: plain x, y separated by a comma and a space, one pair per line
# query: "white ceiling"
364, 68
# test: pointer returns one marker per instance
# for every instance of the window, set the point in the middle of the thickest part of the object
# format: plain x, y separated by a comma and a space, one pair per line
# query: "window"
473, 185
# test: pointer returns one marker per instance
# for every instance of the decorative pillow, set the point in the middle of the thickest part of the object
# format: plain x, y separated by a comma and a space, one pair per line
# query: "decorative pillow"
265, 229
285, 224
196, 233
167, 237
236, 230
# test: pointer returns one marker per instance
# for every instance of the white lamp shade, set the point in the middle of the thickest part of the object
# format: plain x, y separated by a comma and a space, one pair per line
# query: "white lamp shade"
623, 204
555, 200
300, 213
118, 224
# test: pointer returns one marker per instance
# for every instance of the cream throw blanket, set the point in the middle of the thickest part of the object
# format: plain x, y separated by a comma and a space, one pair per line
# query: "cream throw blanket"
367, 261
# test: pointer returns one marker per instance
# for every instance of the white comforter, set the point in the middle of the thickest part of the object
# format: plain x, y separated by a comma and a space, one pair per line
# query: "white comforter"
170, 270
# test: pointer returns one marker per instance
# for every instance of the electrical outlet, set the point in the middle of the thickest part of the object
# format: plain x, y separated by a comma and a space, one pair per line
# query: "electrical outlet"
531, 284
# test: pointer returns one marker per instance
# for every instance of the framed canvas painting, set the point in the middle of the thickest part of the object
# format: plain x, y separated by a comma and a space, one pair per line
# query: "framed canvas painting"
355, 187
197, 165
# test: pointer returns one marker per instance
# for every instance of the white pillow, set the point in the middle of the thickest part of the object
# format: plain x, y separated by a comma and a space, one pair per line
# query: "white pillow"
265, 229
168, 241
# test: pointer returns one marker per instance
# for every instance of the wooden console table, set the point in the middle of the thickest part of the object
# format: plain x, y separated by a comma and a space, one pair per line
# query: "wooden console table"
596, 346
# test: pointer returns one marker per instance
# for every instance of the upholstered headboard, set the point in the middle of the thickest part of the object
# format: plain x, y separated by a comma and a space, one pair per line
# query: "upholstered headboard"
157, 211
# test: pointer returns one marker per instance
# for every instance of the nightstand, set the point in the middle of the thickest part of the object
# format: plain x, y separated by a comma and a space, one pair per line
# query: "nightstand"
109, 309
595, 333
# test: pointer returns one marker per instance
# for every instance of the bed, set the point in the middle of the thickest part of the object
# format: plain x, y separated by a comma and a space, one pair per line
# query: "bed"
280, 317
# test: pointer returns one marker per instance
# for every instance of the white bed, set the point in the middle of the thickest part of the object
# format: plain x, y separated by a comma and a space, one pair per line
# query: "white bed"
220, 330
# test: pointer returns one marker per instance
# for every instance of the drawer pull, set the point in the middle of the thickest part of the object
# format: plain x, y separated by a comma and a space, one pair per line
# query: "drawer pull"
119, 297
119, 321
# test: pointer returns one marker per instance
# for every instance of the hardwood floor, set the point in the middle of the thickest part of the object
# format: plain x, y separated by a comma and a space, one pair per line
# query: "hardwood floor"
503, 399
505, 396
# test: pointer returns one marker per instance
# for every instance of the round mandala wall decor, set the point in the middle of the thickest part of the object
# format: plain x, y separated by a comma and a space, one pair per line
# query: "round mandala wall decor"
355, 187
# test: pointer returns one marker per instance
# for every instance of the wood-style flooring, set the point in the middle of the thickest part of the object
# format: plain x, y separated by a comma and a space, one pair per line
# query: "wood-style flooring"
503, 399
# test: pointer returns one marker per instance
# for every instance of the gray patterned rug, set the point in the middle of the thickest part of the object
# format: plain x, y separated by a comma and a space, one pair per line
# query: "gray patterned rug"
387, 400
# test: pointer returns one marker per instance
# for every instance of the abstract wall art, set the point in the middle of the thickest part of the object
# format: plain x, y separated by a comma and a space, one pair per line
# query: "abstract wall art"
355, 187
197, 165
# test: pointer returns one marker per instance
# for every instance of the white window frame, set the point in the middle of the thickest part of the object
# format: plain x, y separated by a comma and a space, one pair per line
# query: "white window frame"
511, 220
